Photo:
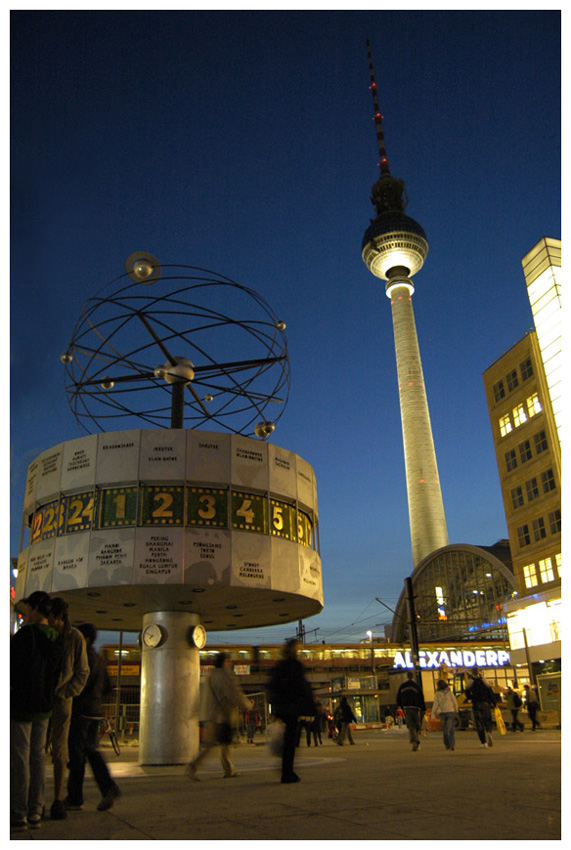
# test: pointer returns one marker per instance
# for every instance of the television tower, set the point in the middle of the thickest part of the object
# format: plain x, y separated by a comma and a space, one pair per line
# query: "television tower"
394, 249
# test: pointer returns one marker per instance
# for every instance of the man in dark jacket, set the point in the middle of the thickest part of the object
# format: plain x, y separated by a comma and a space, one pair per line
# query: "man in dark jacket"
86, 715
483, 699
291, 697
411, 700
35, 659
347, 717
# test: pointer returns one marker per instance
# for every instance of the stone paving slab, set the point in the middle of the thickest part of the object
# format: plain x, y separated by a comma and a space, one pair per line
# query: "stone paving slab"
375, 790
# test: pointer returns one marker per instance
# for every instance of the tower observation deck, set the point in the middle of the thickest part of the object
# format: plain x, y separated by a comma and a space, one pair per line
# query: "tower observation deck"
394, 248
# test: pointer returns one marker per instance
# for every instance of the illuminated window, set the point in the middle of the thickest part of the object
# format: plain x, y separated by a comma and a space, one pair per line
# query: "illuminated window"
532, 489
505, 425
524, 451
530, 575
555, 521
512, 380
548, 480
546, 570
519, 415
539, 531
558, 563
499, 391
540, 440
526, 369
511, 460
517, 497
523, 535
533, 405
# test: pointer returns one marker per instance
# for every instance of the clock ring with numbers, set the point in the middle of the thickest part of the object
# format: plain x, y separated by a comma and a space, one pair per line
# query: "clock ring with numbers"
177, 346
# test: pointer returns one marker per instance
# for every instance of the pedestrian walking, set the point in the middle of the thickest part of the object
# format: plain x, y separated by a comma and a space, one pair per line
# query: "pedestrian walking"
347, 717
224, 697
73, 677
86, 716
252, 719
35, 660
532, 705
445, 706
411, 700
483, 699
514, 703
291, 697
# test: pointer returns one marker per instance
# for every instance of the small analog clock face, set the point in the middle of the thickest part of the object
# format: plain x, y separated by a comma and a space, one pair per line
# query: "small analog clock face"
199, 636
152, 635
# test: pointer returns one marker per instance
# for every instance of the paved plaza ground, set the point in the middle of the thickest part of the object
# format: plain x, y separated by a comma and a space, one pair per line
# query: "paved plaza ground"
377, 789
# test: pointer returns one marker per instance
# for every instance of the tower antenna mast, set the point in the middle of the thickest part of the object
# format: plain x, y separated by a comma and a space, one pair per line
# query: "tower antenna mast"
378, 118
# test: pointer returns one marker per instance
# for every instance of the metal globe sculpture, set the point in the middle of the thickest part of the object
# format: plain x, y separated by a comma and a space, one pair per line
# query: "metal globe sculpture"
176, 346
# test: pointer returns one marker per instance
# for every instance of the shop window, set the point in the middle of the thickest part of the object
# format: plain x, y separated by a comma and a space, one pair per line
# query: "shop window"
505, 425
530, 575
533, 405
539, 531
526, 369
546, 570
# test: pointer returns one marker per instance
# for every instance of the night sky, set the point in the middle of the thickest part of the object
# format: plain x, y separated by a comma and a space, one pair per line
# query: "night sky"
243, 142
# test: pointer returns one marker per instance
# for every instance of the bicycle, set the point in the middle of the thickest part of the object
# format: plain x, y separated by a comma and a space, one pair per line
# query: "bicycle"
107, 729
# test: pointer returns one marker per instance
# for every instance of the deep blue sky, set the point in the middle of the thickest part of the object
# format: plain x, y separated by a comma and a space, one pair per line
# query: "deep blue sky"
243, 142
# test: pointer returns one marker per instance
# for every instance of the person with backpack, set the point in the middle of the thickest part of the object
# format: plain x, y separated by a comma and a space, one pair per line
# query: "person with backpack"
483, 699
532, 704
35, 661
514, 703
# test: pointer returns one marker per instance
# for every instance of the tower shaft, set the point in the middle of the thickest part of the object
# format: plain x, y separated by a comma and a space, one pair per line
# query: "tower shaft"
425, 506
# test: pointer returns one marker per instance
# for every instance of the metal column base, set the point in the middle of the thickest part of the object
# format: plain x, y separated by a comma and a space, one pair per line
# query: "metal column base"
170, 679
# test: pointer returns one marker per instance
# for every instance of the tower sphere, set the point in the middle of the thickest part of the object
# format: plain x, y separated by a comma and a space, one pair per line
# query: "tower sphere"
394, 239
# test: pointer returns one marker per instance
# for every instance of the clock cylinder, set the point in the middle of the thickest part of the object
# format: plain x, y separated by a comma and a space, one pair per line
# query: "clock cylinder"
170, 675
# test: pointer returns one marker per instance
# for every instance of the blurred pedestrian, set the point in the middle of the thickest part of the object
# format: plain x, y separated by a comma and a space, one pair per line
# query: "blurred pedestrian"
252, 719
445, 706
532, 705
514, 703
399, 716
86, 716
224, 697
347, 717
411, 700
483, 699
73, 677
35, 660
291, 697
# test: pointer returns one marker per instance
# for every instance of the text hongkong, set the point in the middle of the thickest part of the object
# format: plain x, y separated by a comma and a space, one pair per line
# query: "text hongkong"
454, 658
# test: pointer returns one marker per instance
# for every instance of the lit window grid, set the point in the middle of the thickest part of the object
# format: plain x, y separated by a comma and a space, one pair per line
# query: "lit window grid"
545, 300
558, 563
505, 425
533, 405
546, 570
519, 415
530, 575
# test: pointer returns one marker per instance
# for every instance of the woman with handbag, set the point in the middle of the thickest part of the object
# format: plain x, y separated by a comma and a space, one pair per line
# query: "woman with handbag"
224, 697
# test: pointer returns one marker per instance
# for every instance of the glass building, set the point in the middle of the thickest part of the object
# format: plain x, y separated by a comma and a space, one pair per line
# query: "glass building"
460, 592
